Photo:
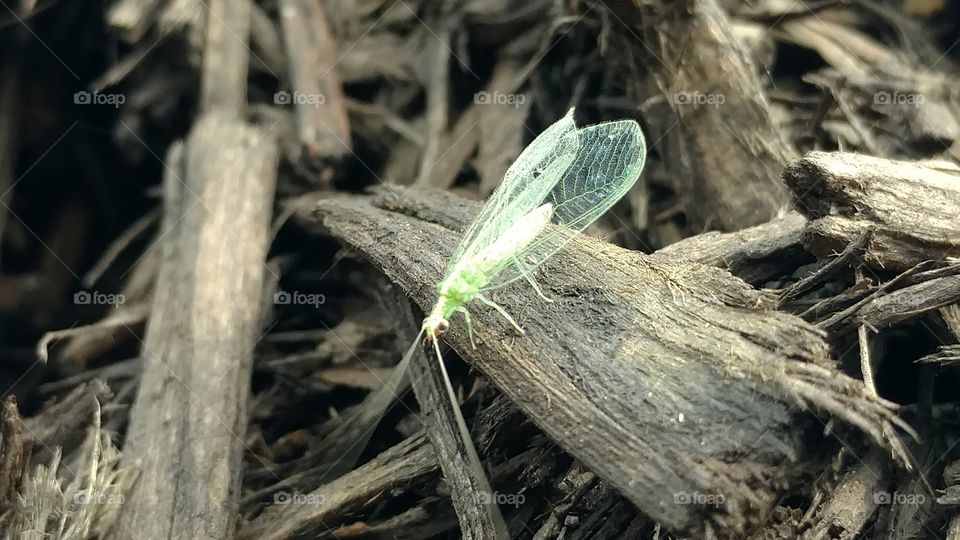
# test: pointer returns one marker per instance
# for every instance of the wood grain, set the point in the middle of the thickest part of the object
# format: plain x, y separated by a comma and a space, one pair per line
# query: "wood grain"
653, 372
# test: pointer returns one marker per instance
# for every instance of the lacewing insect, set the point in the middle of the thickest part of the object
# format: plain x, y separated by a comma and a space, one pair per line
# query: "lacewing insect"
563, 181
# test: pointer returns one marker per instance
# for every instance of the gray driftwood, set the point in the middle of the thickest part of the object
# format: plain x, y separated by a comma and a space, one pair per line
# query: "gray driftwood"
188, 421
913, 207
652, 372
189, 418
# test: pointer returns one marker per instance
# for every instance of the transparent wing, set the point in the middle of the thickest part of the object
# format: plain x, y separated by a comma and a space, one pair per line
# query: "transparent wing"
609, 161
525, 185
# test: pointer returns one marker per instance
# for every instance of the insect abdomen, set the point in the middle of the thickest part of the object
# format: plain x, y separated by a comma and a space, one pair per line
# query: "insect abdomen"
518, 236
475, 272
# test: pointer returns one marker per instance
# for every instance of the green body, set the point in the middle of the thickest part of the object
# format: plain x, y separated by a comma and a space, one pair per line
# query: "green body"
471, 275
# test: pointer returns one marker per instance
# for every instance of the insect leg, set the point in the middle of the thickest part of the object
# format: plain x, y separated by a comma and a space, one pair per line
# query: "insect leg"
466, 317
529, 277
501, 311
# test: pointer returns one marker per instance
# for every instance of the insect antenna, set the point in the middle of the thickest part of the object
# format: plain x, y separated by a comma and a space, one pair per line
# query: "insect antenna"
466, 441
355, 435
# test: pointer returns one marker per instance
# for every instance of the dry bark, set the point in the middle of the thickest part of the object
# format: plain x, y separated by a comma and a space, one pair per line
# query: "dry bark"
910, 302
223, 86
14, 452
321, 114
633, 345
132, 18
189, 416
754, 255
62, 424
720, 138
912, 208
852, 501
471, 494
405, 463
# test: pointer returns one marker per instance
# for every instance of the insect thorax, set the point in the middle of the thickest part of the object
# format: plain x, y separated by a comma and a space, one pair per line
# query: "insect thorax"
460, 287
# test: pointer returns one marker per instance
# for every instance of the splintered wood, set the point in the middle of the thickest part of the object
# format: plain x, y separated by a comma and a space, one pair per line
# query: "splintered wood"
911, 208
611, 361
764, 344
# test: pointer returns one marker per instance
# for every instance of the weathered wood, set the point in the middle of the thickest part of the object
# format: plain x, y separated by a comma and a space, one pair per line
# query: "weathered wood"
852, 501
912, 207
910, 302
316, 93
720, 141
754, 255
463, 137
633, 346
14, 452
472, 495
438, 90
266, 45
63, 424
849, 256
947, 355
226, 57
405, 463
951, 316
843, 320
188, 421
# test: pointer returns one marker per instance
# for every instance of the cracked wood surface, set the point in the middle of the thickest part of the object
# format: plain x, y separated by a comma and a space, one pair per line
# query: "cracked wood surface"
651, 371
